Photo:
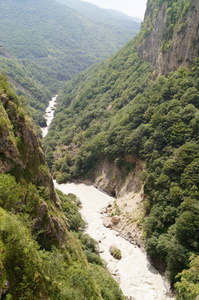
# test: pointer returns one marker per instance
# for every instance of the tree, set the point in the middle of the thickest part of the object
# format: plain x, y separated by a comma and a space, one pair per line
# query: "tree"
9, 191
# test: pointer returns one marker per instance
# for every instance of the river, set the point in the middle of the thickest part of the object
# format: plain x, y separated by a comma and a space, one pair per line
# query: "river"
136, 276
49, 115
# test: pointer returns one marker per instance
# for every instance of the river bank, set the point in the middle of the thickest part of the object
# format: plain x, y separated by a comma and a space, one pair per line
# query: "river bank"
134, 273
136, 276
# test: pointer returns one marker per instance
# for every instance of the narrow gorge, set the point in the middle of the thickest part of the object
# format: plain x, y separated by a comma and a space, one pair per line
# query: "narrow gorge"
100, 201
138, 279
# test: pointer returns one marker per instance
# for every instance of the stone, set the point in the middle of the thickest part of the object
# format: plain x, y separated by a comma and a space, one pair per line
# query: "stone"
115, 220
107, 222
103, 211
115, 252
183, 44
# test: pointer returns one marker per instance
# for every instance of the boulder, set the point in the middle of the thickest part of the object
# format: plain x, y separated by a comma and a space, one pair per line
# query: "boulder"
115, 220
107, 222
115, 252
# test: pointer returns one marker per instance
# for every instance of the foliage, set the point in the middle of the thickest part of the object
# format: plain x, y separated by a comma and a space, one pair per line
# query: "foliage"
39, 257
53, 41
44, 44
69, 205
113, 111
108, 286
38, 274
21, 260
174, 19
118, 109
9, 191
104, 15
188, 286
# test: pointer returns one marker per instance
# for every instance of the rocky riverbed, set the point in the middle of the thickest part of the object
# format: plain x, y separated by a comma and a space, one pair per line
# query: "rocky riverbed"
136, 276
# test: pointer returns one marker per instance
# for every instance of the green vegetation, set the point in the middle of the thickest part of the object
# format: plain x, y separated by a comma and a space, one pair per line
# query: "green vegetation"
56, 38
33, 94
115, 252
39, 273
121, 109
175, 19
44, 44
40, 257
114, 110
101, 94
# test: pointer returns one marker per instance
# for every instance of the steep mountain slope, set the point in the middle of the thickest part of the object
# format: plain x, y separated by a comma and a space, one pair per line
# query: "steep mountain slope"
44, 43
23, 76
56, 37
39, 256
124, 111
171, 34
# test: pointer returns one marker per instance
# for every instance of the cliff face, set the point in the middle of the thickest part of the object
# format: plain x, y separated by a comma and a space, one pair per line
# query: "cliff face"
171, 35
21, 155
20, 148
115, 180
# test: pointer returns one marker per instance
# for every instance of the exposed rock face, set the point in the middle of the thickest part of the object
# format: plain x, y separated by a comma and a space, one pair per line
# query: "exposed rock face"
21, 155
111, 179
184, 46
126, 212
20, 148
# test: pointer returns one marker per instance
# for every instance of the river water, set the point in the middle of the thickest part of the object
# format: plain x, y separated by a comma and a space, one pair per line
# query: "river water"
49, 115
136, 276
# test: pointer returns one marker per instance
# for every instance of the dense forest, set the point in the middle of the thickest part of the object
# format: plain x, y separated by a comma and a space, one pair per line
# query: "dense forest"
141, 103
57, 38
125, 107
45, 43
44, 252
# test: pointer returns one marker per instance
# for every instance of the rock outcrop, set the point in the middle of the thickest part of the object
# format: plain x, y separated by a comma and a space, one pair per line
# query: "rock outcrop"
22, 156
20, 148
126, 212
116, 181
182, 48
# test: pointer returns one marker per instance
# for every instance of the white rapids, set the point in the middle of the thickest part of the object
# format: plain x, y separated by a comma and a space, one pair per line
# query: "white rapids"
49, 115
137, 278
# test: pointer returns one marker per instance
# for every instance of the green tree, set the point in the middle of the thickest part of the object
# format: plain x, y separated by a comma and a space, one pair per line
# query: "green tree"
9, 191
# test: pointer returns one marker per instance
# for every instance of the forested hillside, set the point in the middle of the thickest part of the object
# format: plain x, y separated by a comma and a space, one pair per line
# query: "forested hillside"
135, 105
56, 37
44, 252
24, 78
45, 43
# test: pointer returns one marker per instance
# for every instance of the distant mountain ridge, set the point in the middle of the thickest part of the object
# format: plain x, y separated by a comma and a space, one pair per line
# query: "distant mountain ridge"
120, 14
52, 34
105, 15
45, 43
